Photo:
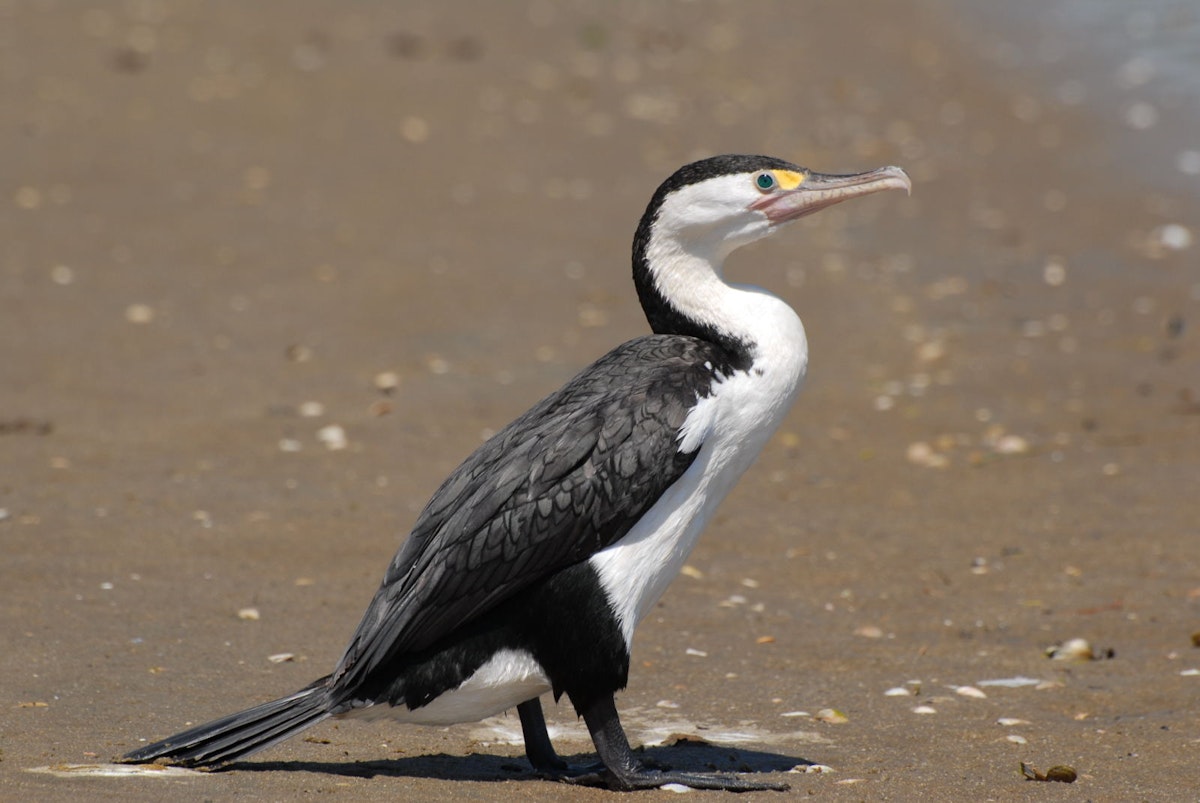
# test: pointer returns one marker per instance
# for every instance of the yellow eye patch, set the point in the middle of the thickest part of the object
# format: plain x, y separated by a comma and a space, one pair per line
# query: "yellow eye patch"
788, 179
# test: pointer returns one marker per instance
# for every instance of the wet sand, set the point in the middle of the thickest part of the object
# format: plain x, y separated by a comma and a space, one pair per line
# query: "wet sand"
217, 215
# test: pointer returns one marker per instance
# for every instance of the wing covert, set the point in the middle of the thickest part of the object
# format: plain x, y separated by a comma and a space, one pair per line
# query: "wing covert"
566, 479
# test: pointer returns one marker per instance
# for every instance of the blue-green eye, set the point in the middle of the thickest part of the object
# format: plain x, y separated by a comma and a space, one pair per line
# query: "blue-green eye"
765, 182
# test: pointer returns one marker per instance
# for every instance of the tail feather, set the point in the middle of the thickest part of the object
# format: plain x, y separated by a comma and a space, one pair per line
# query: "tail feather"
238, 735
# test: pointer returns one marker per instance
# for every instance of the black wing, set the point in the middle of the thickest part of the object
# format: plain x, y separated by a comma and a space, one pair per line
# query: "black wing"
560, 483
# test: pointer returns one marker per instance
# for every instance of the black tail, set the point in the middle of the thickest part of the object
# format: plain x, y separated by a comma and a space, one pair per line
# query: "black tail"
237, 735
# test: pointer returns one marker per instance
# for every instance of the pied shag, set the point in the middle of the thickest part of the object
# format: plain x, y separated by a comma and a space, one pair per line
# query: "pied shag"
532, 564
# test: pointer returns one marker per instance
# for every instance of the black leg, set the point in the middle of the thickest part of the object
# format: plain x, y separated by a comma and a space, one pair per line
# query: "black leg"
623, 772
538, 747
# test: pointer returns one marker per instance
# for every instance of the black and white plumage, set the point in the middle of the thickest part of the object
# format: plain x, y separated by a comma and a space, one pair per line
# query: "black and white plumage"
532, 564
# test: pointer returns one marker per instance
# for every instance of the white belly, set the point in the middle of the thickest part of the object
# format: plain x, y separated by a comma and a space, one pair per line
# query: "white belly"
509, 677
730, 427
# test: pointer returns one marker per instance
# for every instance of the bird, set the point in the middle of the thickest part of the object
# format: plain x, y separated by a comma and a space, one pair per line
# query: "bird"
532, 564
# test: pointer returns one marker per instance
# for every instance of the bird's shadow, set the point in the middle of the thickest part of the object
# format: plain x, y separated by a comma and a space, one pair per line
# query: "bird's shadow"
687, 757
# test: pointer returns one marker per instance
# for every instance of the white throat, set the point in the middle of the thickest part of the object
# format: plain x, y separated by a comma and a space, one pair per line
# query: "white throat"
689, 274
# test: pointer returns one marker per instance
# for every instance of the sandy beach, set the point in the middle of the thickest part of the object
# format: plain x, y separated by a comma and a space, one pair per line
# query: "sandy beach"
268, 272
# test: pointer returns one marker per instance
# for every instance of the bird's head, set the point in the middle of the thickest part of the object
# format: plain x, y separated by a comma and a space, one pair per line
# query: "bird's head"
710, 208
714, 206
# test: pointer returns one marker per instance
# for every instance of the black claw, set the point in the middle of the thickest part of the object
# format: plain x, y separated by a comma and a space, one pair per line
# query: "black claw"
653, 779
601, 779
622, 772
722, 781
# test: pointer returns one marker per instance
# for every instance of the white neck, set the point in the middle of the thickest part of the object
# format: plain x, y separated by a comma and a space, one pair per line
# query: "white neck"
689, 274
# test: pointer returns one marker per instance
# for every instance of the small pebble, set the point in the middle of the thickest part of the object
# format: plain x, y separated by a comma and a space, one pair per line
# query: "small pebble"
592, 316
386, 381
832, 716
795, 714
1187, 673
1016, 739
812, 769
1060, 773
869, 631
248, 614
311, 409
897, 691
971, 691
931, 351
1012, 444
1075, 649
1054, 273
414, 129
667, 704
1010, 683
924, 709
1174, 236
1009, 722
299, 353
691, 571
139, 313
281, 657
921, 453
333, 436
1135, 72
62, 275
695, 652
1141, 115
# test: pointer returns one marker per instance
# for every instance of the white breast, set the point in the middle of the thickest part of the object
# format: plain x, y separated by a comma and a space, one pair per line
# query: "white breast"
730, 428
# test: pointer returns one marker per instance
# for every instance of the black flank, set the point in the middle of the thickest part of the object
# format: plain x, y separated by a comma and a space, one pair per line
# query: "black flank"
564, 622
